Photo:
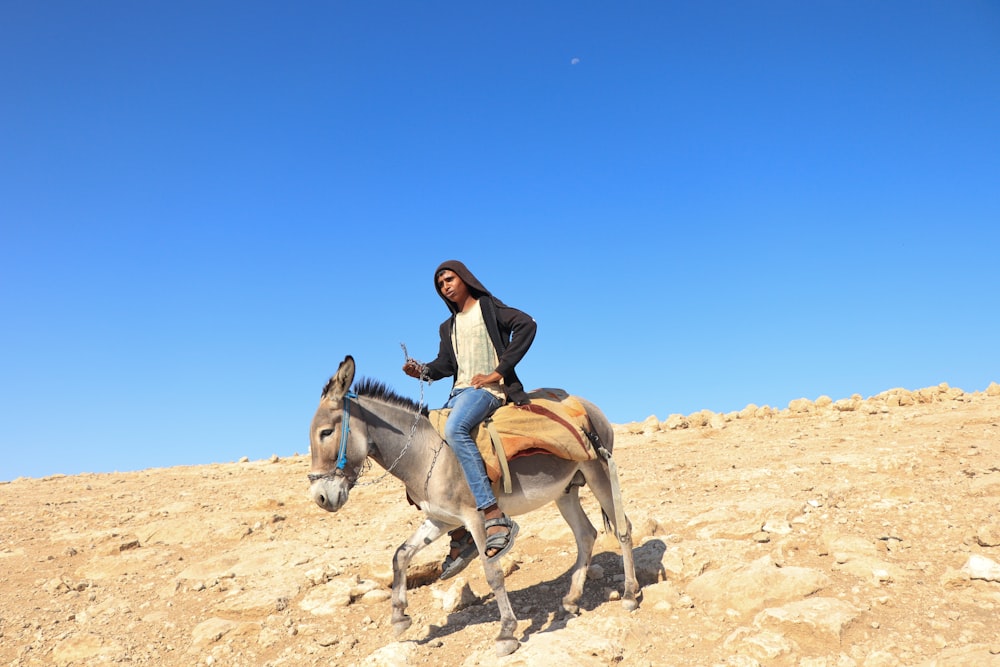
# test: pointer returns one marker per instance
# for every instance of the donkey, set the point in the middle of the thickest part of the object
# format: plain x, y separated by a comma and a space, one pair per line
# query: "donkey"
375, 422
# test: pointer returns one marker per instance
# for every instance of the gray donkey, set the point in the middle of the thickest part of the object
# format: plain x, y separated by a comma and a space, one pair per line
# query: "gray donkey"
375, 422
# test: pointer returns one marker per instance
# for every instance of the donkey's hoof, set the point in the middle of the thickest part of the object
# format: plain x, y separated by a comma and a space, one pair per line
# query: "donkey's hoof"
568, 610
506, 647
402, 625
630, 604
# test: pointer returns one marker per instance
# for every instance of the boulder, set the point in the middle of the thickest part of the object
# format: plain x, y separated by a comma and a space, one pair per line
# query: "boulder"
746, 587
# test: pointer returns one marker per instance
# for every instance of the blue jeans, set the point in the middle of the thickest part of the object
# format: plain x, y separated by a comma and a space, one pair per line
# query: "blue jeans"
469, 407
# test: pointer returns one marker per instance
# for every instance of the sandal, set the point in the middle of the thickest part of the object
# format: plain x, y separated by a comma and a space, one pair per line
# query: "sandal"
466, 554
500, 541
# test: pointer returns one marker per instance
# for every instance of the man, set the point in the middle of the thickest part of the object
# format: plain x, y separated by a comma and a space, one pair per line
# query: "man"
481, 343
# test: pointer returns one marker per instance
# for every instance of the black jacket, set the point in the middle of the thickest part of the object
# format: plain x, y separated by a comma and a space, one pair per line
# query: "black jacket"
511, 330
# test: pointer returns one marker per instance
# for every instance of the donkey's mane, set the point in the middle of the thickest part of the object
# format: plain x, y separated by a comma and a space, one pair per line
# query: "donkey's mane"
378, 390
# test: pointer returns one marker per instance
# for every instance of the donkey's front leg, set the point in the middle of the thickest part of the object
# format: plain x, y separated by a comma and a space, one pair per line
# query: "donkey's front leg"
506, 643
428, 531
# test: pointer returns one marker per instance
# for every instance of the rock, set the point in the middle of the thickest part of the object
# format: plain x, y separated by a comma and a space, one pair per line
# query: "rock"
701, 418
749, 412
584, 641
800, 405
988, 535
81, 648
777, 527
749, 586
881, 659
844, 547
846, 405
813, 624
209, 632
980, 567
974, 655
650, 425
663, 595
376, 596
392, 655
328, 599
458, 595
676, 421
655, 562
993, 389
766, 646
362, 587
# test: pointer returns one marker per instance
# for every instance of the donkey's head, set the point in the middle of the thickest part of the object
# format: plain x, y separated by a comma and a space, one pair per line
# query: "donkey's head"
337, 450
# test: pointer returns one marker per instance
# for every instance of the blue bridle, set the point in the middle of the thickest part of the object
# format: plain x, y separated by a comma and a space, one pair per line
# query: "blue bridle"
345, 431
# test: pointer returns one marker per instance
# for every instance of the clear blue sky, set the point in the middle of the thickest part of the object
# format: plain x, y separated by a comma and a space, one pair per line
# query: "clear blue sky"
205, 206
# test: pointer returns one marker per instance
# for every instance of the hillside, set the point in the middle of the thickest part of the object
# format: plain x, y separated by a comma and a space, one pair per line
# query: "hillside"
856, 532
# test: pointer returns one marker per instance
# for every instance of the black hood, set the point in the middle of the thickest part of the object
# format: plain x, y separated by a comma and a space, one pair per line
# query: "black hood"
475, 287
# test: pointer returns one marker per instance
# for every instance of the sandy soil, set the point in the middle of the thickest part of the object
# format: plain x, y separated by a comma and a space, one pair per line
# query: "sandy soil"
830, 533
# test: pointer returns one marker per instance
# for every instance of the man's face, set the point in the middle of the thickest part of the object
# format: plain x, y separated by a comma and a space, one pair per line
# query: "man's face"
452, 287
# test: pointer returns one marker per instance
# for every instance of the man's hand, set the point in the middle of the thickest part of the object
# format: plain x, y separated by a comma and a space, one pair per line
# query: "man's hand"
480, 381
413, 368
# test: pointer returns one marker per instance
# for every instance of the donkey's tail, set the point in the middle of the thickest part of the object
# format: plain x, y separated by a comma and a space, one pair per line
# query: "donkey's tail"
621, 523
607, 522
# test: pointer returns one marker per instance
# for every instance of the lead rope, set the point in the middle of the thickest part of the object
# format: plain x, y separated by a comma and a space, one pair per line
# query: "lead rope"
413, 427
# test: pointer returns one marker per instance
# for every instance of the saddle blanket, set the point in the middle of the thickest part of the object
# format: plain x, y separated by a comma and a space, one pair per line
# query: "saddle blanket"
554, 422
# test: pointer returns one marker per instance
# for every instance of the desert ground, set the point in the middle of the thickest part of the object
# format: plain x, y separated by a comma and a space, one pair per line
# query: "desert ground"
848, 532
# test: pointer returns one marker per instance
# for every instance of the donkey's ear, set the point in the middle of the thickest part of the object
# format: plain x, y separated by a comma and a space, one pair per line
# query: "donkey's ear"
338, 385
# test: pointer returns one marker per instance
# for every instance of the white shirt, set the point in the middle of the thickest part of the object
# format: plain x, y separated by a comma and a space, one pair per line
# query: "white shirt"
474, 350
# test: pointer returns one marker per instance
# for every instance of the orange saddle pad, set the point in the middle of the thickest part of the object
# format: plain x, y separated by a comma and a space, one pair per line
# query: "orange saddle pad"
554, 422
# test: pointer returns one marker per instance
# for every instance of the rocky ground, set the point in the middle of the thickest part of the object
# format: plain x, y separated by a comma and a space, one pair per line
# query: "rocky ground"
856, 532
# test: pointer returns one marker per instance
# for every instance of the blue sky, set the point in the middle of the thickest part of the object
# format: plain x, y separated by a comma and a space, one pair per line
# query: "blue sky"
205, 206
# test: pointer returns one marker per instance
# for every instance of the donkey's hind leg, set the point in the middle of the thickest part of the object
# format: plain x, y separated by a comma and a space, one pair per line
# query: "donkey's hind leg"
585, 534
428, 531
599, 480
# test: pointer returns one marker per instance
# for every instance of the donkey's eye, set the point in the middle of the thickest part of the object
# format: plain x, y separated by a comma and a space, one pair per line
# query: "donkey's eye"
325, 433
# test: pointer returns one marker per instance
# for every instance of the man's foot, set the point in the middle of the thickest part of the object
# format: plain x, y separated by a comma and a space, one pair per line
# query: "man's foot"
463, 551
501, 538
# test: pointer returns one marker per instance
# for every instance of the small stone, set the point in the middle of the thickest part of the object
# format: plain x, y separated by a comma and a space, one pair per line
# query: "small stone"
980, 567
988, 536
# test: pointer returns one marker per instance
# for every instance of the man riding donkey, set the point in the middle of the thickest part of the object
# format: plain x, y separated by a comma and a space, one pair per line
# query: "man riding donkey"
481, 343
